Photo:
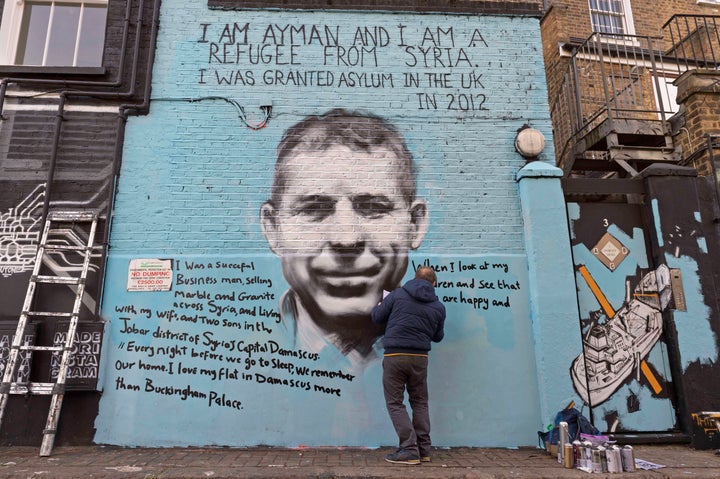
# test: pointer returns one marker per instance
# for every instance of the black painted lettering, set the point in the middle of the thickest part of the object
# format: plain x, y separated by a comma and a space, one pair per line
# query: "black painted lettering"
203, 38
476, 38
121, 384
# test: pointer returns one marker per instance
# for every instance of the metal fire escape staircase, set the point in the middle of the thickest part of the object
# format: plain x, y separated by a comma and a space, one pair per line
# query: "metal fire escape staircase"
55, 221
614, 110
613, 107
625, 146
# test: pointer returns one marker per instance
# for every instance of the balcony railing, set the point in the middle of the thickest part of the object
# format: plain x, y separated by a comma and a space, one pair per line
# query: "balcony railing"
694, 41
629, 77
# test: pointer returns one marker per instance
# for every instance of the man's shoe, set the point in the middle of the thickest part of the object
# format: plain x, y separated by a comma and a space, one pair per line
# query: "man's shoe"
403, 457
425, 459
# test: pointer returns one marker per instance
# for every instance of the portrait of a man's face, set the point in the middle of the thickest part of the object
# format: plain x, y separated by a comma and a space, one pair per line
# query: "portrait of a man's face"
342, 218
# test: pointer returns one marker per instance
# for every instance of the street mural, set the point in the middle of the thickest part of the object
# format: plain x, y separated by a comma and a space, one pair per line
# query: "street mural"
623, 372
20, 230
342, 239
626, 303
18, 250
293, 167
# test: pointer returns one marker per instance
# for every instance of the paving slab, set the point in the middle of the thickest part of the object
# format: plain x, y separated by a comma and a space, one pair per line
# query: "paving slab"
100, 462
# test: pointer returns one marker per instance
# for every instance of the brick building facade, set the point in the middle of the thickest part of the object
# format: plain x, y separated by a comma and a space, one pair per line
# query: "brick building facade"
63, 108
248, 239
234, 85
635, 120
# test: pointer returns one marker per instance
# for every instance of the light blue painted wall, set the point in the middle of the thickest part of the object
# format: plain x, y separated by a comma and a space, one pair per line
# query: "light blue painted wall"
696, 340
553, 300
192, 182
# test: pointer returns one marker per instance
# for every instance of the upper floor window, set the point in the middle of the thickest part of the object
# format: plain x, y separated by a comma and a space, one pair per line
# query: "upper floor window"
53, 33
611, 16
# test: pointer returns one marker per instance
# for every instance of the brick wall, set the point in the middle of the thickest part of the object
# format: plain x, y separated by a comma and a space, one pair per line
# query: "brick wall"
648, 15
700, 101
571, 18
83, 177
208, 126
567, 20
197, 171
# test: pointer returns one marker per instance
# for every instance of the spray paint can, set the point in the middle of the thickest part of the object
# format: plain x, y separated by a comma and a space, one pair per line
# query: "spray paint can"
587, 454
577, 453
614, 459
603, 459
596, 460
564, 439
628, 459
568, 456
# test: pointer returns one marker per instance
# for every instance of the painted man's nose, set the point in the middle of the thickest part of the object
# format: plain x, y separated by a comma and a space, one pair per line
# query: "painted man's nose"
346, 234
347, 238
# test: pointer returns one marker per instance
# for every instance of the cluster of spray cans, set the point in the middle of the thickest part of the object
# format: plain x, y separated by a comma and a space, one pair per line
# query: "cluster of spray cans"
593, 457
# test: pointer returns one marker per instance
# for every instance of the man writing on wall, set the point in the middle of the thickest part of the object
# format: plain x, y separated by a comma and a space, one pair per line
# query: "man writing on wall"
413, 317
342, 217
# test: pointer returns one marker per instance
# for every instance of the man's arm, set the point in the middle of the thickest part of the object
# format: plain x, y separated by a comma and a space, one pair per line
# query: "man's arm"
381, 313
440, 329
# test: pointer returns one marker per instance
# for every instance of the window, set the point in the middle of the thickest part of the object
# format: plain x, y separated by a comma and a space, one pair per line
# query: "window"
53, 33
611, 16
667, 93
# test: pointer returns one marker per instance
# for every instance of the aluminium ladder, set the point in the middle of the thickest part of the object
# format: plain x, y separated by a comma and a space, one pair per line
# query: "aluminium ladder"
57, 388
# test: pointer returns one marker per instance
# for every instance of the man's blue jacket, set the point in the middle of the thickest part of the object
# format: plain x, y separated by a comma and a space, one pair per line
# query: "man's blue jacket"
414, 317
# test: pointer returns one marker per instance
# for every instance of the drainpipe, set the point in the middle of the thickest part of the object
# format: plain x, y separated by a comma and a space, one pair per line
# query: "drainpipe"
53, 159
65, 94
125, 111
144, 106
3, 89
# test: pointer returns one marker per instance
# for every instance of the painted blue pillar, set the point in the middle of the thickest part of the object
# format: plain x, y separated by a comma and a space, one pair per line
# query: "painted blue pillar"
553, 298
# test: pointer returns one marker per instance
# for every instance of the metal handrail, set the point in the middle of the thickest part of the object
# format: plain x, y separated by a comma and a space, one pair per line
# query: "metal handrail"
694, 41
614, 77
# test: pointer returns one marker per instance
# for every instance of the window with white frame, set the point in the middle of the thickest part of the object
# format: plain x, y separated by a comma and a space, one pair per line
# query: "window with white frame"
611, 16
53, 33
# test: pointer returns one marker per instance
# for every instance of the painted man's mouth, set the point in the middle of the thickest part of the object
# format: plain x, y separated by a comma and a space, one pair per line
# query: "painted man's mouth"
347, 279
347, 276
348, 283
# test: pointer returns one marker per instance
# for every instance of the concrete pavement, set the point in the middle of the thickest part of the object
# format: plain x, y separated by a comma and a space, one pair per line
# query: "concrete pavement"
325, 463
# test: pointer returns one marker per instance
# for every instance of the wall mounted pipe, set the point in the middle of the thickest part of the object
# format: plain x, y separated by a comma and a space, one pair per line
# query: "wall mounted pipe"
125, 109
53, 159
65, 94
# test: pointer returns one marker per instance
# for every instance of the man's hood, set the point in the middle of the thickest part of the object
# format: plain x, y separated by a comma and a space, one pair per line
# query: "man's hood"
421, 290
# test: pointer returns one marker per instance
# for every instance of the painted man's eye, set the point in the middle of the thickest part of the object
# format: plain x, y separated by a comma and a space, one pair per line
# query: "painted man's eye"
316, 208
372, 206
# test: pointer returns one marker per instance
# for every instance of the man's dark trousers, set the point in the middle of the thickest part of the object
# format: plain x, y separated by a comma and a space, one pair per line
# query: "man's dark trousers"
399, 371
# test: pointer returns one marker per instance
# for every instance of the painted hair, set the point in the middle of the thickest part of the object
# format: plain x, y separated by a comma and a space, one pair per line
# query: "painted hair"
357, 131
